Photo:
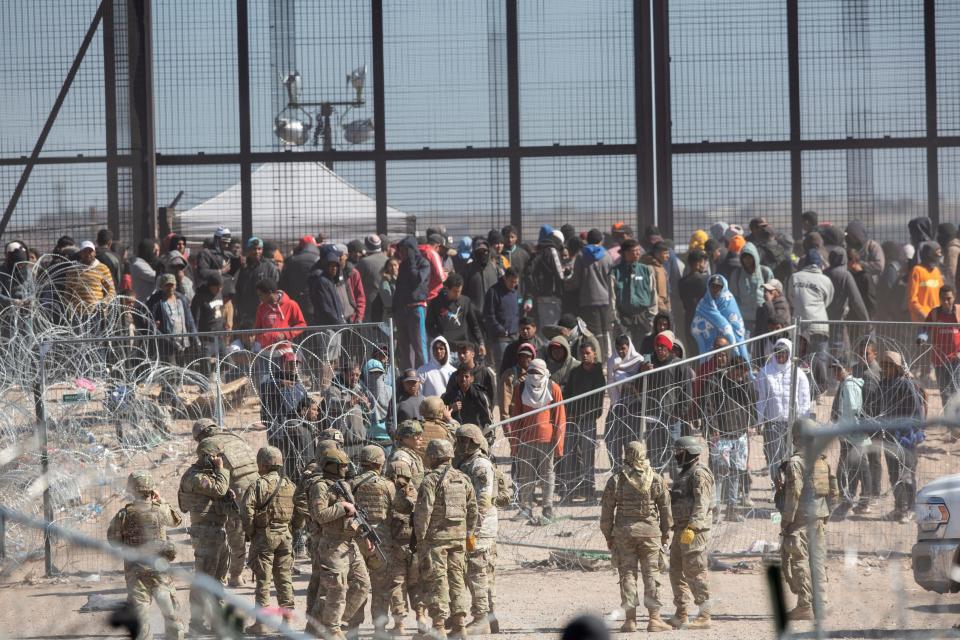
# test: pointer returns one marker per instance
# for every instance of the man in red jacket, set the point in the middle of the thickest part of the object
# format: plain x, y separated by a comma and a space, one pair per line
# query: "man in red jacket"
277, 310
945, 339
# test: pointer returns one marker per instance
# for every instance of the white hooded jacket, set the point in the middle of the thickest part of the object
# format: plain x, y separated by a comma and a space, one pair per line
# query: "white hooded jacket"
435, 375
773, 388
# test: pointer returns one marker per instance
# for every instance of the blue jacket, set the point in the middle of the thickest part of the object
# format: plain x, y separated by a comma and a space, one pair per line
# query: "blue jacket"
413, 277
327, 309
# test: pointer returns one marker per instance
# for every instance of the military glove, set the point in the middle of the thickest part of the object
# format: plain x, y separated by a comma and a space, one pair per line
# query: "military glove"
686, 537
471, 542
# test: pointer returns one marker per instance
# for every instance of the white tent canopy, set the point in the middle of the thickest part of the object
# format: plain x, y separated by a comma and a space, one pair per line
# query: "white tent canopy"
291, 200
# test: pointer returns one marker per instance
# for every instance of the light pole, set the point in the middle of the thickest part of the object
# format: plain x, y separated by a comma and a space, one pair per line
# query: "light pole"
293, 125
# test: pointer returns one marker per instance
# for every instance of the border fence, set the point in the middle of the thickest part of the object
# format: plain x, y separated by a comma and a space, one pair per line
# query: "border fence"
473, 115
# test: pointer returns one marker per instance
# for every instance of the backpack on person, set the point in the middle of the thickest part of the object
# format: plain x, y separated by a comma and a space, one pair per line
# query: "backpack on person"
504, 497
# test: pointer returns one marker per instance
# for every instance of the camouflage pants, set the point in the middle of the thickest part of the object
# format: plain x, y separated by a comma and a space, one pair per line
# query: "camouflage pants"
443, 579
688, 570
387, 582
236, 545
143, 586
481, 577
210, 556
801, 569
271, 556
645, 552
342, 582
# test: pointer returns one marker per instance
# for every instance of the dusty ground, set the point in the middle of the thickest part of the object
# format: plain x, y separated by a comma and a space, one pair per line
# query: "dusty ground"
866, 591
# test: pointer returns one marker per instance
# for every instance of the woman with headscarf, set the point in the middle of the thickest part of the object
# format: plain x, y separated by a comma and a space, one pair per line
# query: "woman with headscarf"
773, 403
619, 428
718, 315
536, 437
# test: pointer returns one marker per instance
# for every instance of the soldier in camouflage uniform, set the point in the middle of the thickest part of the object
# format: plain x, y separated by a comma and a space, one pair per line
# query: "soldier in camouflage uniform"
301, 518
376, 495
141, 524
470, 458
335, 549
802, 501
692, 498
204, 492
436, 423
405, 469
444, 522
635, 520
267, 512
239, 460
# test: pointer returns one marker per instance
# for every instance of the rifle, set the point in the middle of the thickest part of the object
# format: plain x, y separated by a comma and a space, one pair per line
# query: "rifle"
367, 531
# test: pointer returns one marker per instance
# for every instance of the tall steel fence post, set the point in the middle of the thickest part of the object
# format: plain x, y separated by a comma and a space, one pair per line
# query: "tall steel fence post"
41, 412
795, 362
393, 364
218, 392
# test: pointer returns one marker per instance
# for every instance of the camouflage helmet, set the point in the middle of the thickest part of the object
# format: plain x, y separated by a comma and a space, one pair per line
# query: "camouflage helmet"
799, 426
372, 454
470, 432
409, 428
204, 428
635, 450
140, 482
440, 450
269, 457
432, 408
690, 444
208, 447
335, 456
332, 434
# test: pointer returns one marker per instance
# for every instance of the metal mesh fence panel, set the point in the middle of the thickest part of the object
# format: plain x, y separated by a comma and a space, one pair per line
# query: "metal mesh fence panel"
728, 78
729, 187
576, 72
584, 192
883, 188
861, 69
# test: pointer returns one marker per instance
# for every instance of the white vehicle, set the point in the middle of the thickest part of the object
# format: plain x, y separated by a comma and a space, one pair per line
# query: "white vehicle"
935, 556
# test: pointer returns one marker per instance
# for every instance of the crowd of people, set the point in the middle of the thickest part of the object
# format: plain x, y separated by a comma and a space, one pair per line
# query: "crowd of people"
494, 333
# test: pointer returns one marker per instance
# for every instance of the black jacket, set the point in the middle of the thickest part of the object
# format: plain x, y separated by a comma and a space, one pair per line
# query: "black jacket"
294, 279
324, 298
501, 311
475, 407
456, 320
246, 300
207, 310
413, 278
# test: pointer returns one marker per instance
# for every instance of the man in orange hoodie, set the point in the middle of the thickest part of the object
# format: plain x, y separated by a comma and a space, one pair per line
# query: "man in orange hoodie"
923, 287
537, 439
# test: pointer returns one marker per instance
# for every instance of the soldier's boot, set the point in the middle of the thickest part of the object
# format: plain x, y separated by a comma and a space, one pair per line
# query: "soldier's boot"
422, 626
398, 627
494, 622
702, 621
479, 625
380, 630
679, 619
630, 622
313, 629
257, 629
197, 628
801, 612
236, 580
439, 630
656, 623
458, 627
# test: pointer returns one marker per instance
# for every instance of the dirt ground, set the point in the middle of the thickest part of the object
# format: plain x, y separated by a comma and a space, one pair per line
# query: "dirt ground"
867, 591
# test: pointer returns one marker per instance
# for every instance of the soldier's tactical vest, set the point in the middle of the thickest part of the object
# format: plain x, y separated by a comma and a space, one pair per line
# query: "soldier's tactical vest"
141, 525
634, 502
815, 494
279, 510
412, 459
434, 430
450, 504
211, 511
301, 499
371, 494
341, 528
239, 458
681, 494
